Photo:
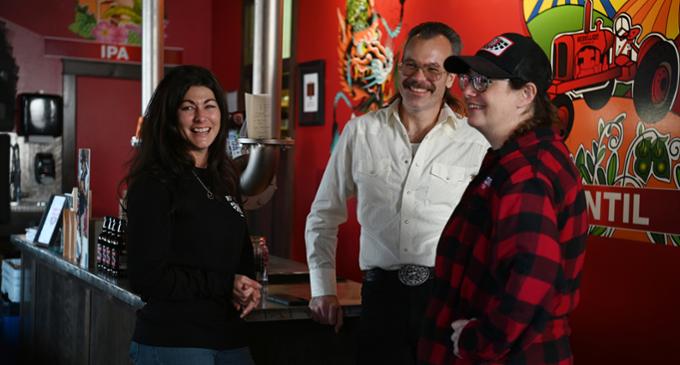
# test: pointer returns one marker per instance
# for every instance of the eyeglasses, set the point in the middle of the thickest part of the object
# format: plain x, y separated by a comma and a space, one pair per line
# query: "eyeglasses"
479, 82
431, 72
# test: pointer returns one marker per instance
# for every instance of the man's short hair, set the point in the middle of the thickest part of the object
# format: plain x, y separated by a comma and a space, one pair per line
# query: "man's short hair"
429, 30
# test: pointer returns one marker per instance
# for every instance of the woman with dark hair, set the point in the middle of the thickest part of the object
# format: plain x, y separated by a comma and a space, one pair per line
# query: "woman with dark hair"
190, 256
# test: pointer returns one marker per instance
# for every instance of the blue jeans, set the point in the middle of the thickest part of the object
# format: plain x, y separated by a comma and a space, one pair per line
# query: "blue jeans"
157, 355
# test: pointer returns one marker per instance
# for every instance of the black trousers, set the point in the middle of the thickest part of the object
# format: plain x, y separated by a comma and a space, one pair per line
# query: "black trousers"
390, 321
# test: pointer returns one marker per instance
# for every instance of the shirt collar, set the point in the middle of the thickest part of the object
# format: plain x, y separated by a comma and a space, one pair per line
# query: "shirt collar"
530, 138
448, 116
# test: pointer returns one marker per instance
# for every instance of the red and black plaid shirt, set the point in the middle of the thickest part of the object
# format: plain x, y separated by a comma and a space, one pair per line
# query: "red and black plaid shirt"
510, 257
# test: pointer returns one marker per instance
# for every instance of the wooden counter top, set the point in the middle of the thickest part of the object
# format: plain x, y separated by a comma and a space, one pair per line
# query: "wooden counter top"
287, 277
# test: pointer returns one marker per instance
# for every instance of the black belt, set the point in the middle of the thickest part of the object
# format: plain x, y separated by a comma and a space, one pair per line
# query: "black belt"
409, 275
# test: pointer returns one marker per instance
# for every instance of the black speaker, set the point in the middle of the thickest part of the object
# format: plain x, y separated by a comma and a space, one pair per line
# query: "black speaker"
4, 178
8, 82
6, 115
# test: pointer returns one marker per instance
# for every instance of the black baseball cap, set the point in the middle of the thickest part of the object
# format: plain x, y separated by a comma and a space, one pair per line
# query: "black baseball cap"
507, 56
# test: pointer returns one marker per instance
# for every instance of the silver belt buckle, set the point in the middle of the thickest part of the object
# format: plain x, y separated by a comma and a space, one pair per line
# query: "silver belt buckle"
413, 275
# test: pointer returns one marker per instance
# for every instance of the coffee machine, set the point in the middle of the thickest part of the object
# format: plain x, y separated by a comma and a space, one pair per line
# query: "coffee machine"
44, 167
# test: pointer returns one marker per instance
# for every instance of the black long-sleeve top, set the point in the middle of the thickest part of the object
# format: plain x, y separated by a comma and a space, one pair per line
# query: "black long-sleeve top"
184, 250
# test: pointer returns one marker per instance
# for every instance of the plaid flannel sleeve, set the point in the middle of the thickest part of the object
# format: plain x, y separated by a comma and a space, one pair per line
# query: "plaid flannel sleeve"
525, 263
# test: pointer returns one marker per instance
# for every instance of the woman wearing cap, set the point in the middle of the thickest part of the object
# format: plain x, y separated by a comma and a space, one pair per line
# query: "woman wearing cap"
509, 260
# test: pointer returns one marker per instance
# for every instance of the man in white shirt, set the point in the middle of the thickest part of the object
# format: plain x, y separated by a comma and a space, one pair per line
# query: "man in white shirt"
408, 165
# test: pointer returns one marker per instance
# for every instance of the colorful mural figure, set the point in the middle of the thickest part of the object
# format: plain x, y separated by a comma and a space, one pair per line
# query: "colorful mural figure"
366, 58
615, 69
109, 21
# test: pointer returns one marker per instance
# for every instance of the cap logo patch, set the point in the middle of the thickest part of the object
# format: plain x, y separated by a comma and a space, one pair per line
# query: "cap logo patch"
497, 46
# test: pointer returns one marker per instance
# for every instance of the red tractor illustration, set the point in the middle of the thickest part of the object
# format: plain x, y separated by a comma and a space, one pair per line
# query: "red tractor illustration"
590, 62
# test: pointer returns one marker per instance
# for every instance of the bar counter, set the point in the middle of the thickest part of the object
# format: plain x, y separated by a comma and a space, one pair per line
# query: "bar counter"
65, 309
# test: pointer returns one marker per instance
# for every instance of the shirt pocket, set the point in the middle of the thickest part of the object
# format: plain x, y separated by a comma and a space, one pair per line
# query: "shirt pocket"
372, 181
447, 173
379, 168
446, 186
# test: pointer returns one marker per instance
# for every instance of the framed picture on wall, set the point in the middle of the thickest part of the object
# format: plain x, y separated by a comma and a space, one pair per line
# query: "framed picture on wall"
311, 92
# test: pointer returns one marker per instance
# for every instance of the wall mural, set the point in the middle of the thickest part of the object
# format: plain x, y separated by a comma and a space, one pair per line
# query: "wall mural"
109, 21
366, 58
109, 30
615, 67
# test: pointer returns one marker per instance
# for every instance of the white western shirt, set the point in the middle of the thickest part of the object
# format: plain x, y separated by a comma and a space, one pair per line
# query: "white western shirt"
403, 201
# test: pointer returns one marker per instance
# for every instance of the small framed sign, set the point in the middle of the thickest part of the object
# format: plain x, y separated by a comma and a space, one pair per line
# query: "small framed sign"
48, 231
311, 92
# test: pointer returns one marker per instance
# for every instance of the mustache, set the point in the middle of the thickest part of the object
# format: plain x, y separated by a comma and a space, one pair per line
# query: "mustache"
408, 83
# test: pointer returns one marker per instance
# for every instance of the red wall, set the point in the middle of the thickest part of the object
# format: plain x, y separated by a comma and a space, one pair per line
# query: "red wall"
190, 26
630, 302
107, 134
316, 26
45, 17
227, 37
630, 308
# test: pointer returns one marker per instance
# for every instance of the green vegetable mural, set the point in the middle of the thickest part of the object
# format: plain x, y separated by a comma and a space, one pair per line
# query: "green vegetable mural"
111, 22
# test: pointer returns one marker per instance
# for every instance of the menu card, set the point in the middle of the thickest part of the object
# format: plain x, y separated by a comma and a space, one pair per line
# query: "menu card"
258, 114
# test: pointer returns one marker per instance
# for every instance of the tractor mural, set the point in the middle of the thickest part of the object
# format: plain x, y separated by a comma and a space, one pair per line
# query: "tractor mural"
615, 81
589, 63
